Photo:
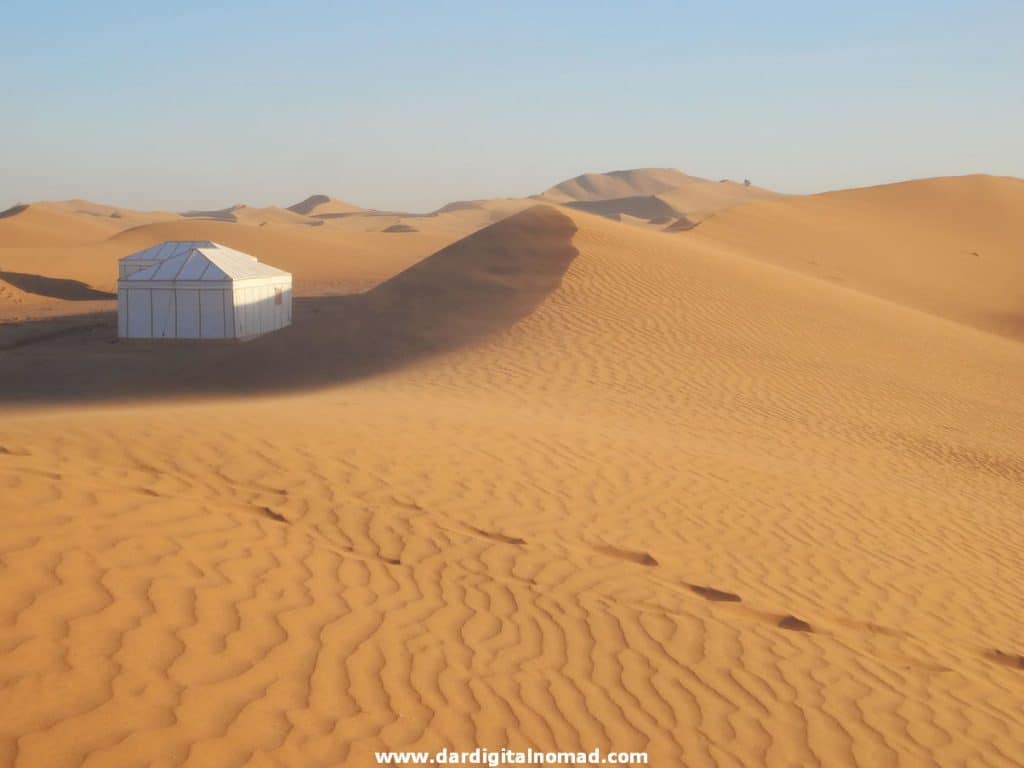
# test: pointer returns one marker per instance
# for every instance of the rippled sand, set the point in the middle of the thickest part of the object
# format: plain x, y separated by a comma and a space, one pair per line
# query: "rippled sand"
648, 491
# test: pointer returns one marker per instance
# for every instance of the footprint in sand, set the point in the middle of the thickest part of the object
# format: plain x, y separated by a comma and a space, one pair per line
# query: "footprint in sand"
494, 536
793, 624
270, 514
1012, 660
640, 558
714, 595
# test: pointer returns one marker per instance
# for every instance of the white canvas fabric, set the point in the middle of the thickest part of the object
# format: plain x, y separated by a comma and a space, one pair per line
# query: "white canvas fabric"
155, 254
166, 250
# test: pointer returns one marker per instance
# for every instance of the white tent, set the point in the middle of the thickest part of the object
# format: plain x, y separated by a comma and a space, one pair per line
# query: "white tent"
204, 291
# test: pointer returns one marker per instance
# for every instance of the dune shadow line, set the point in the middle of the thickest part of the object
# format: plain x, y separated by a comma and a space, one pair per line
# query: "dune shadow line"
55, 287
472, 289
639, 206
14, 210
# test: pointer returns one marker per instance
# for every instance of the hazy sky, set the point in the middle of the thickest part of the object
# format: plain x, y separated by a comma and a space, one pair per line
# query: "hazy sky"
410, 105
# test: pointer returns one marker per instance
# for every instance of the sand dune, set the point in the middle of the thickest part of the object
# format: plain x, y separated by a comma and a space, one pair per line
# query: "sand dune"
700, 198
221, 214
670, 200
488, 210
646, 207
949, 246
43, 224
615, 184
69, 223
318, 205
563, 484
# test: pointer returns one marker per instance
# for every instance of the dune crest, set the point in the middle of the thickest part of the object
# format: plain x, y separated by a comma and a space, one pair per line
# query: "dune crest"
662, 198
41, 225
615, 184
318, 205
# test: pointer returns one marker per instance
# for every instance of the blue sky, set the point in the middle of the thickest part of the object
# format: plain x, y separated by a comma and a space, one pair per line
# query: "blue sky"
410, 105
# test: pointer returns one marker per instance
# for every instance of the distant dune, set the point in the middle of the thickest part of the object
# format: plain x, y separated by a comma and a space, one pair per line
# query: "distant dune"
14, 210
45, 224
318, 205
700, 198
648, 207
482, 212
615, 184
222, 214
950, 246
652, 196
745, 493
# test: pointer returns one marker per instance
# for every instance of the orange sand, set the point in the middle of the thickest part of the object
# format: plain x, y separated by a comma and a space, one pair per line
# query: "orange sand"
599, 486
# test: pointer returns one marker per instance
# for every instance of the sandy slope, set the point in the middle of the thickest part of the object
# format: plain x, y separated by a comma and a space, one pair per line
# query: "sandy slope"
700, 198
950, 246
43, 224
672, 498
659, 198
615, 184
320, 205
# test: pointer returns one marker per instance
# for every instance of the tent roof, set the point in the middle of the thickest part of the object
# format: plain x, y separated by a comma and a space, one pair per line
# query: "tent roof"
207, 264
170, 249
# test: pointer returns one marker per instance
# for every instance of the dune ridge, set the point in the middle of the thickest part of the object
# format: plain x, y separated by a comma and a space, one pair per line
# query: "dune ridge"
661, 198
590, 187
318, 205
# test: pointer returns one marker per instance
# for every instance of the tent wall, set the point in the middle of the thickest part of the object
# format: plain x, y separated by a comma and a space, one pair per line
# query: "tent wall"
187, 313
122, 313
262, 306
140, 314
211, 315
164, 321
171, 312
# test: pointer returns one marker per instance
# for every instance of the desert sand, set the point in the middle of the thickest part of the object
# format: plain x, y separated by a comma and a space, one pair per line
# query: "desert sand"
661, 198
526, 474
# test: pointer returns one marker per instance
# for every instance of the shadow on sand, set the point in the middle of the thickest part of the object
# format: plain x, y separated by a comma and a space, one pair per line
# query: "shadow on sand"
55, 287
14, 210
473, 288
639, 206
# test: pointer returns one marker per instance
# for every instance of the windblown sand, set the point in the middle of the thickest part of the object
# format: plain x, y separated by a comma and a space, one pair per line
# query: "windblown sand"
672, 492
